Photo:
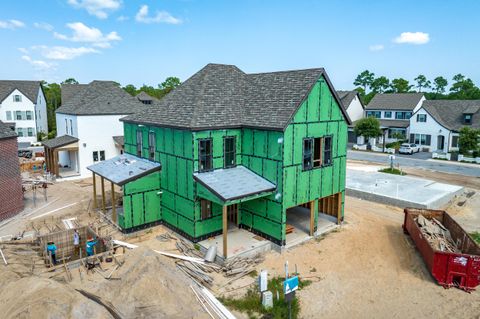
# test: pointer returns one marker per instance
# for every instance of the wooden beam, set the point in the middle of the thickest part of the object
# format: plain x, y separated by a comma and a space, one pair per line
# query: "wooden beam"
95, 204
225, 231
55, 163
312, 217
339, 209
103, 193
114, 210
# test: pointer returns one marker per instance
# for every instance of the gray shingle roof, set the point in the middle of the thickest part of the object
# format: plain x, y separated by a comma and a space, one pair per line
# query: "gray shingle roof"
347, 98
124, 168
394, 123
449, 113
101, 98
142, 96
220, 96
119, 140
234, 183
394, 101
6, 131
59, 141
68, 91
28, 88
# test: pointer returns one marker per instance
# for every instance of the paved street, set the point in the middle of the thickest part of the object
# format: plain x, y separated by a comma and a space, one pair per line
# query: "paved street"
413, 161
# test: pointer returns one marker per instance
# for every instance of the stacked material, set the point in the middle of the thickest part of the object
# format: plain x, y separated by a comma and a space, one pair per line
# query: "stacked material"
437, 235
240, 266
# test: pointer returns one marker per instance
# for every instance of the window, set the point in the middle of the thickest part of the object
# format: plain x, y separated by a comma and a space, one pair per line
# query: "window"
17, 98
408, 115
398, 133
205, 154
39, 115
421, 117
403, 115
151, 145
71, 128
327, 150
18, 115
66, 126
20, 132
307, 153
139, 143
229, 151
376, 114
30, 131
317, 152
455, 141
206, 208
9, 115
387, 114
467, 118
28, 115
95, 156
420, 139
102, 155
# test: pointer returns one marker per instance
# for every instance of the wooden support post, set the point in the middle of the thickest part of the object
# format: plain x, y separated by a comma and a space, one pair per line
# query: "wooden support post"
95, 204
114, 210
339, 208
312, 217
55, 162
225, 231
103, 193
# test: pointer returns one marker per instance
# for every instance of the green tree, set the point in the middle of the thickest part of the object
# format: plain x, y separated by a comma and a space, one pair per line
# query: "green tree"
464, 90
364, 80
380, 84
368, 127
131, 89
401, 85
70, 81
422, 82
53, 98
468, 140
440, 84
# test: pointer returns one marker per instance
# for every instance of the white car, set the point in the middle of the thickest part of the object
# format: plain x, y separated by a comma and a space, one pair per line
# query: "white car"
409, 148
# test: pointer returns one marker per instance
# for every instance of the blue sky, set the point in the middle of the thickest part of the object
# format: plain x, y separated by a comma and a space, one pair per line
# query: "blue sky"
139, 41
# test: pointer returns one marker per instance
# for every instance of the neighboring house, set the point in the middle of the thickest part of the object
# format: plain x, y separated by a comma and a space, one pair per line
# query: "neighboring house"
23, 103
11, 194
88, 126
236, 150
145, 98
437, 123
394, 110
355, 109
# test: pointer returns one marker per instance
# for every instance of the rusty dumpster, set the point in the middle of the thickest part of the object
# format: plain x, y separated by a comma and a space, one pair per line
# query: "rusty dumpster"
459, 269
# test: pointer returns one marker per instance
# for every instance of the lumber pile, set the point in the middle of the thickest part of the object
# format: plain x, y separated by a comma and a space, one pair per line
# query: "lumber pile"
436, 234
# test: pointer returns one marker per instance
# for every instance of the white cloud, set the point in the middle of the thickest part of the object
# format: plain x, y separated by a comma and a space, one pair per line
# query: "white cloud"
376, 47
63, 53
39, 64
23, 50
98, 8
11, 24
412, 38
85, 34
43, 25
122, 18
159, 17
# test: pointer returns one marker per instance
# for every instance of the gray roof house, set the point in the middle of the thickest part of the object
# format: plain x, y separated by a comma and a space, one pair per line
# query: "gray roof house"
88, 126
145, 98
353, 104
437, 123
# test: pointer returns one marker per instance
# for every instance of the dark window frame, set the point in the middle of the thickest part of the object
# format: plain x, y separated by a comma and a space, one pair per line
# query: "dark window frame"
95, 156
389, 114
205, 209
307, 154
422, 118
327, 160
469, 121
375, 114
232, 152
101, 155
152, 139
139, 139
206, 158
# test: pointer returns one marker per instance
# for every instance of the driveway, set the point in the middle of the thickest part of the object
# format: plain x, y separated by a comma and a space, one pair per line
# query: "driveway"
417, 161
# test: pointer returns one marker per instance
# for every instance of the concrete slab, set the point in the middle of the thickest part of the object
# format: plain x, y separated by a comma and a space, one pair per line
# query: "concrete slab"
401, 191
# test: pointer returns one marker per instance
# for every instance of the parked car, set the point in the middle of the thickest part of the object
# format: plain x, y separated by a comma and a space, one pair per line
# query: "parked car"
25, 153
409, 148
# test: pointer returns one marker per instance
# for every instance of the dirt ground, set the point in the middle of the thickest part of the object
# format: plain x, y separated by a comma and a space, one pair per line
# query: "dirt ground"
366, 269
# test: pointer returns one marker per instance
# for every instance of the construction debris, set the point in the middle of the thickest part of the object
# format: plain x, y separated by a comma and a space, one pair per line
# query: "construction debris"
436, 234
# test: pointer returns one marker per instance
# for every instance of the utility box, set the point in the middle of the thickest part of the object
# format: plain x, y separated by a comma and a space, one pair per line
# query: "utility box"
267, 299
263, 281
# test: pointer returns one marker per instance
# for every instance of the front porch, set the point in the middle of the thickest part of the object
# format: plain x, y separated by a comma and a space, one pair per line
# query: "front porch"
61, 156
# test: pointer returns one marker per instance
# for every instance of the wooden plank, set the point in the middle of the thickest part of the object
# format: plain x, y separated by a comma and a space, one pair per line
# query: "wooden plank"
103, 193
225, 231
339, 210
95, 204
312, 217
114, 210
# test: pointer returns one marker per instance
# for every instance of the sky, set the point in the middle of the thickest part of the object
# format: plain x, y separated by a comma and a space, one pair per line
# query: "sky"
143, 42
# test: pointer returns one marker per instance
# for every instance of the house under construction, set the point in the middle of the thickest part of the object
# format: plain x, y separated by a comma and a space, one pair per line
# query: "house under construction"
230, 149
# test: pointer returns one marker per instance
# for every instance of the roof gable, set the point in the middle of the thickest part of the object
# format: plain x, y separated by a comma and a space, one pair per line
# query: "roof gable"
347, 97
395, 101
28, 88
449, 113
220, 96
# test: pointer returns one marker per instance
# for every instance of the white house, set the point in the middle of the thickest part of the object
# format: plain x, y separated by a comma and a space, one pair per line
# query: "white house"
355, 109
23, 103
88, 126
394, 111
437, 123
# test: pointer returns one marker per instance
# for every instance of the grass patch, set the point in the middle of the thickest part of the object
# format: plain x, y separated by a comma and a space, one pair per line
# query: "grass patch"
476, 236
253, 274
394, 171
196, 246
251, 303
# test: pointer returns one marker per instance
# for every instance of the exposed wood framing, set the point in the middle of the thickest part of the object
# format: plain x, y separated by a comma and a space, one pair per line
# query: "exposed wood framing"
114, 210
103, 193
312, 217
225, 231
95, 204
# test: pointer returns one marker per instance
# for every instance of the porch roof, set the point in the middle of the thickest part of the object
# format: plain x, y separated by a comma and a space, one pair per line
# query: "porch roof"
234, 183
59, 141
124, 168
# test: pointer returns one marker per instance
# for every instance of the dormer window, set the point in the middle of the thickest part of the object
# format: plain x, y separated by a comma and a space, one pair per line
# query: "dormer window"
17, 98
467, 118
